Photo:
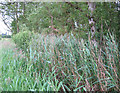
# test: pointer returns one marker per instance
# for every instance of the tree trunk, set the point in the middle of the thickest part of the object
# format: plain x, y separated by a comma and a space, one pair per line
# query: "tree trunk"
91, 7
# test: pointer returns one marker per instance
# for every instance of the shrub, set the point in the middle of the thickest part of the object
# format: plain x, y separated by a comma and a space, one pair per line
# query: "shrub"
22, 39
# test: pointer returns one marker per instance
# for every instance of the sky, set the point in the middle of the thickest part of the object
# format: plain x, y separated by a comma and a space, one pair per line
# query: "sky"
3, 27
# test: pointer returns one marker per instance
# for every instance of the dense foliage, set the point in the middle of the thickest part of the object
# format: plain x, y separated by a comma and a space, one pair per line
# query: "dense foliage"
65, 17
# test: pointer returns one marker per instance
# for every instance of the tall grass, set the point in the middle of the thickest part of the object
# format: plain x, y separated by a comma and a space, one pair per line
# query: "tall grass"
63, 63
15, 77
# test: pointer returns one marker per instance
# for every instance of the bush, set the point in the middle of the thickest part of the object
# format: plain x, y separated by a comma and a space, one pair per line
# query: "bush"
22, 39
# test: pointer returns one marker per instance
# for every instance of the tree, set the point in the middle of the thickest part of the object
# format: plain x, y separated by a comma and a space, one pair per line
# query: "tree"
65, 17
91, 7
12, 11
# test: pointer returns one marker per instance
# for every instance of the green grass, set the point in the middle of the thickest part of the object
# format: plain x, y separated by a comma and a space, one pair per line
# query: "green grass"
4, 44
16, 77
62, 63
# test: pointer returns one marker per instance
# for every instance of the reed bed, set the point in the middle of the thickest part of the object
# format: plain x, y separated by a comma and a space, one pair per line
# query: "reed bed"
63, 63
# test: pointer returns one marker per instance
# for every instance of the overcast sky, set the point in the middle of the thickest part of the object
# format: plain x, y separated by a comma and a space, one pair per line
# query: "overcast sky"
3, 27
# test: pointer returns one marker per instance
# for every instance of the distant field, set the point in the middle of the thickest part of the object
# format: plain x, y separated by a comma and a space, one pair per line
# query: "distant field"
6, 43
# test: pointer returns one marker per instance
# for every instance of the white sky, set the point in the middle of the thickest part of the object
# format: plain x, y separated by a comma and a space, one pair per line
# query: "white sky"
3, 27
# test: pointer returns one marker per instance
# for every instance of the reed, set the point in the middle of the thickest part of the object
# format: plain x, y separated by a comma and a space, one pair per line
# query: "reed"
63, 63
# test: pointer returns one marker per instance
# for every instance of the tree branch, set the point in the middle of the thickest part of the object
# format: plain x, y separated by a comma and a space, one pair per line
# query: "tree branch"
6, 24
78, 8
